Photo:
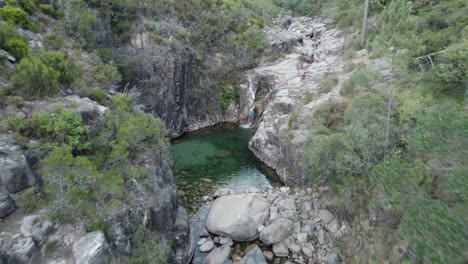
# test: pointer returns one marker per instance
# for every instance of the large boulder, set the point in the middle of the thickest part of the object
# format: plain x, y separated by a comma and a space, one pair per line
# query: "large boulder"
19, 250
91, 249
35, 227
15, 174
255, 256
238, 216
7, 204
278, 231
218, 255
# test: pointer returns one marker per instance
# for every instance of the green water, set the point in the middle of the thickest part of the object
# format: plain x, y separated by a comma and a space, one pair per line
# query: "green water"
213, 158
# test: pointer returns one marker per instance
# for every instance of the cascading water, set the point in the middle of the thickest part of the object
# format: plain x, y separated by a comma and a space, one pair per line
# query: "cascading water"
251, 100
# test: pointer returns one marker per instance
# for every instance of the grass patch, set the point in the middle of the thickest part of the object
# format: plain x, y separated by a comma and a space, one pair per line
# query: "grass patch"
329, 81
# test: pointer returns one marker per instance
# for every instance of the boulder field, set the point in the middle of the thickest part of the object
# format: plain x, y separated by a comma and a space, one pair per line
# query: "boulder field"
279, 225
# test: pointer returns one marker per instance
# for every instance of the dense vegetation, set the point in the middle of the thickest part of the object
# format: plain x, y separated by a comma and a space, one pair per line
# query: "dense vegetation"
400, 146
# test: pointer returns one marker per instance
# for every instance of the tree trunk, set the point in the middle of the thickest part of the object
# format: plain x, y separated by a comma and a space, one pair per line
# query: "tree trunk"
364, 25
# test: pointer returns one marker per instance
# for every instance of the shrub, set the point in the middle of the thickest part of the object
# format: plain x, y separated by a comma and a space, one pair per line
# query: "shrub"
146, 247
329, 81
53, 41
58, 61
28, 5
451, 71
320, 153
48, 10
361, 80
33, 78
17, 47
15, 101
435, 235
15, 15
19, 124
99, 95
64, 127
7, 32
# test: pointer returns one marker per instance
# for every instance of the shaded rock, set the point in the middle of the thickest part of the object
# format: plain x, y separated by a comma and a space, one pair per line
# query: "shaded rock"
332, 258
91, 249
218, 255
90, 111
255, 256
207, 246
7, 204
326, 216
15, 174
268, 255
238, 216
278, 231
35, 227
280, 249
226, 240
22, 251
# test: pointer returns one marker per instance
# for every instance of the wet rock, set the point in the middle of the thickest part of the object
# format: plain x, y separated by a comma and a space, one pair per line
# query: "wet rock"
201, 241
7, 204
280, 249
15, 174
218, 255
254, 256
35, 227
207, 246
226, 241
326, 216
204, 233
91, 249
222, 192
238, 216
278, 231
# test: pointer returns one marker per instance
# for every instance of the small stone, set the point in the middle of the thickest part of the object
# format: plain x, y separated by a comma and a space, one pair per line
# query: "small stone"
280, 249
308, 249
326, 216
204, 233
205, 198
268, 255
301, 238
236, 258
206, 247
226, 241
216, 240
201, 241
295, 248
206, 180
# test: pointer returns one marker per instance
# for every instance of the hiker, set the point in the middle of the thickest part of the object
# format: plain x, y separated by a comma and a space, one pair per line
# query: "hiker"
303, 75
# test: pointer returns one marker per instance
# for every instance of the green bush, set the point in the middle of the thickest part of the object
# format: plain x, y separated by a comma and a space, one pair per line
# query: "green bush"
146, 247
15, 15
19, 124
53, 41
98, 95
58, 61
7, 32
451, 71
28, 5
33, 78
17, 47
48, 10
361, 80
15, 101
434, 234
64, 127
329, 81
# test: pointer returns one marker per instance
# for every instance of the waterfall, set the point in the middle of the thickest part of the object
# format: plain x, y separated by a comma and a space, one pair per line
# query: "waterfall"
250, 101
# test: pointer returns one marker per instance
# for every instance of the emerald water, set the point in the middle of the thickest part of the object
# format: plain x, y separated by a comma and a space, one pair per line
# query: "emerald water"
216, 157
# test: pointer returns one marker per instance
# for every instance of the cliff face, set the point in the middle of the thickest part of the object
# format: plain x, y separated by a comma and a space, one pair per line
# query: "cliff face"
171, 83
285, 114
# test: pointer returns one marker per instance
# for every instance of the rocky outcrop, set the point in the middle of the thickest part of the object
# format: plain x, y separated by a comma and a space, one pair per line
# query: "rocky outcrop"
15, 173
171, 83
16, 249
35, 227
286, 119
238, 216
7, 204
91, 249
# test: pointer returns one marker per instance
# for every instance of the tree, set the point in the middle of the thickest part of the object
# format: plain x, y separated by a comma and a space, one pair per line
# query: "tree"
364, 24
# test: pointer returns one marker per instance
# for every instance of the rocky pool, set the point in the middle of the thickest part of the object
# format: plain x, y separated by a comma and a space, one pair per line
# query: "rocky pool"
214, 158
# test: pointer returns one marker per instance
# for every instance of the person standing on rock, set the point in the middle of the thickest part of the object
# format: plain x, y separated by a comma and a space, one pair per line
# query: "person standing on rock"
303, 76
